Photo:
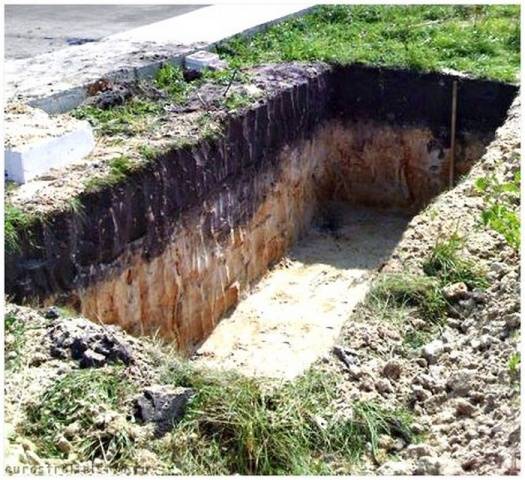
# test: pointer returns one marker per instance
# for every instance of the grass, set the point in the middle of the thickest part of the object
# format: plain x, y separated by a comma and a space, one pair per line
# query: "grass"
77, 397
501, 212
483, 40
240, 425
446, 264
119, 169
128, 119
15, 221
16, 329
514, 364
171, 79
405, 290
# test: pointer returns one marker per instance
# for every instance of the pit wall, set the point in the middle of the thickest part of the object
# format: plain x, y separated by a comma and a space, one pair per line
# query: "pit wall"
173, 248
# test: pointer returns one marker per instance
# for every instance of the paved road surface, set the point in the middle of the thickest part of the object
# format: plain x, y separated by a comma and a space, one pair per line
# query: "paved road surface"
34, 29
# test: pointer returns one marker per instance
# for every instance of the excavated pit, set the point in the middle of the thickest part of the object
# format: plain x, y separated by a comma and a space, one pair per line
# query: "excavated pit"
329, 169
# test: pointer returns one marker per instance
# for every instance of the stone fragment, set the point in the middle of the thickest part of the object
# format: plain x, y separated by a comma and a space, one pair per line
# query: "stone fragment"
162, 405
203, 59
395, 468
460, 383
432, 351
91, 358
455, 291
392, 369
464, 408
63, 444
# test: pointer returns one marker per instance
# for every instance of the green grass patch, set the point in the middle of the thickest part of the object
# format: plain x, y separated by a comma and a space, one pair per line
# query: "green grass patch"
502, 207
120, 168
129, 119
171, 79
514, 364
75, 398
15, 222
240, 425
414, 291
447, 264
483, 40
15, 330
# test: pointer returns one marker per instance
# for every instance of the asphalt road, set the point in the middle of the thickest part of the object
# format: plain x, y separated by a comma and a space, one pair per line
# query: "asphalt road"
34, 29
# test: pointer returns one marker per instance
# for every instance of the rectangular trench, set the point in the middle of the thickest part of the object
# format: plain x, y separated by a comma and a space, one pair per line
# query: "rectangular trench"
174, 249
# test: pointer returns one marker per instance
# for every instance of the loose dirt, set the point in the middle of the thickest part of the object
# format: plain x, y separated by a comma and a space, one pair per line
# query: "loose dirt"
295, 313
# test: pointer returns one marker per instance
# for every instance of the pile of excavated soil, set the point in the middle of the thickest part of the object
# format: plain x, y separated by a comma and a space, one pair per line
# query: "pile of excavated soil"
464, 398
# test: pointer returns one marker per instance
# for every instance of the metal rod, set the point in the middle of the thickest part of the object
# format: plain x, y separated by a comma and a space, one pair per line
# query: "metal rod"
453, 133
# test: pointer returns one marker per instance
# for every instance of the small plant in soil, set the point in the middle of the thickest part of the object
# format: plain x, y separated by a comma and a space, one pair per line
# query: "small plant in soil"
15, 340
76, 403
119, 169
15, 222
170, 78
416, 291
514, 365
128, 119
502, 206
446, 264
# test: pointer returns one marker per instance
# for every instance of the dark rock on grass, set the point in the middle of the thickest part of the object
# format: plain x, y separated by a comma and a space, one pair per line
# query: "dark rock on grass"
162, 405
92, 345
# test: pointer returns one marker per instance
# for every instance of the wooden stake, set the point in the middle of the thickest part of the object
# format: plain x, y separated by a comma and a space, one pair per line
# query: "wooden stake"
453, 133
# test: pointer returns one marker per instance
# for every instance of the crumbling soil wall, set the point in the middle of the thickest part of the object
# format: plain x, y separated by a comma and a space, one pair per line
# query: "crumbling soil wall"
172, 248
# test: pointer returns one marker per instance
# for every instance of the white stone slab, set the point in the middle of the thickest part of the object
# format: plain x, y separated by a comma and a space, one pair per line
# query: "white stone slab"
35, 142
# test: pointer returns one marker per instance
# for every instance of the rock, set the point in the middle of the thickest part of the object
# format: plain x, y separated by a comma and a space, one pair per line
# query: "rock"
72, 429
162, 405
395, 468
512, 320
460, 383
392, 369
464, 408
383, 386
419, 450
455, 291
74, 337
442, 465
63, 444
92, 359
38, 359
432, 351
52, 313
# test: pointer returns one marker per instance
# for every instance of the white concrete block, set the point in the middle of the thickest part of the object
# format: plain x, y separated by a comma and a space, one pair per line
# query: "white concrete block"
203, 59
36, 143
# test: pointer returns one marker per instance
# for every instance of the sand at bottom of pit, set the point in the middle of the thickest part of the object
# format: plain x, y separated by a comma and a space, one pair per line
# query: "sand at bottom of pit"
295, 313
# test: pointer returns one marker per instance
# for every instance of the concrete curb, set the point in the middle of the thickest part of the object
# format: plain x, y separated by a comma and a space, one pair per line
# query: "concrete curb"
59, 81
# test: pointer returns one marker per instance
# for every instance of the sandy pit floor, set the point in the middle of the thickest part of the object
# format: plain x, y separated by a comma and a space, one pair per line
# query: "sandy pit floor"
295, 313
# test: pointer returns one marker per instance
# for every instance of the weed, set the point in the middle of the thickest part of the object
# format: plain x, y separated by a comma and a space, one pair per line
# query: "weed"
240, 425
119, 169
446, 264
74, 398
502, 207
128, 119
209, 127
15, 222
171, 79
514, 364
236, 101
405, 290
149, 153
15, 331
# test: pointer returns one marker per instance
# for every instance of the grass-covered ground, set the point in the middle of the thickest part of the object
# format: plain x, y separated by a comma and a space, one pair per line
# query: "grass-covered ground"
483, 40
